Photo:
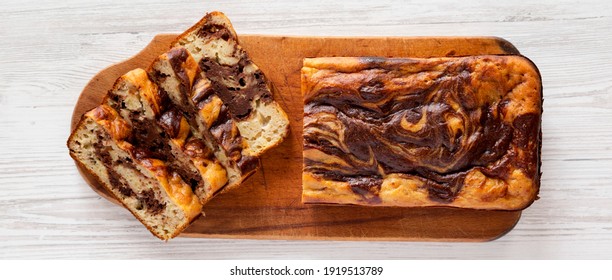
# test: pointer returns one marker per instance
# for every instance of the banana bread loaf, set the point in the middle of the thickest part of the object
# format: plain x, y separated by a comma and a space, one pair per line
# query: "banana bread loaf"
460, 132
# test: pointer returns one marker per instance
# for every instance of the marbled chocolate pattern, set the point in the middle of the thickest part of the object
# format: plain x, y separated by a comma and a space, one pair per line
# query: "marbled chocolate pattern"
434, 119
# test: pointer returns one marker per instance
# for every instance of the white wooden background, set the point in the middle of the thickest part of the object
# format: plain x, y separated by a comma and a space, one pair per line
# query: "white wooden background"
50, 49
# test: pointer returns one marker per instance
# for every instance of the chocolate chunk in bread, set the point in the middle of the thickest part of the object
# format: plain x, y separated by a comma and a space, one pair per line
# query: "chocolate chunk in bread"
460, 132
236, 81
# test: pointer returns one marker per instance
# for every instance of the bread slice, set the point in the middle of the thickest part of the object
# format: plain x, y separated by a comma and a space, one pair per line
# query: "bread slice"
155, 194
179, 77
160, 130
237, 81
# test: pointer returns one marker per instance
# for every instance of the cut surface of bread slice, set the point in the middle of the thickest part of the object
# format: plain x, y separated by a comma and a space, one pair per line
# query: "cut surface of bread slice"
237, 81
161, 131
156, 195
178, 76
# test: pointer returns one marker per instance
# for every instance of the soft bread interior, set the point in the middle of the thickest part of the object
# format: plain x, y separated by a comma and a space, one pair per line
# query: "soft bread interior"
265, 128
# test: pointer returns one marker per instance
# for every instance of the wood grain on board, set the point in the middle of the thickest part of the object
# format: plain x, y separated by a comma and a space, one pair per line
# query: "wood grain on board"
267, 205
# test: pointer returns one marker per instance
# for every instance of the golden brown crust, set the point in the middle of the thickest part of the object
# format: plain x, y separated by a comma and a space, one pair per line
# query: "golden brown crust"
459, 132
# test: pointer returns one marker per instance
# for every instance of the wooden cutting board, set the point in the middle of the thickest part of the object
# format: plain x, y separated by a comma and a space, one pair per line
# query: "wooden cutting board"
267, 205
